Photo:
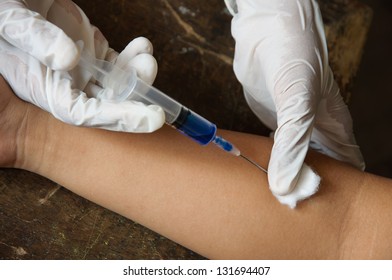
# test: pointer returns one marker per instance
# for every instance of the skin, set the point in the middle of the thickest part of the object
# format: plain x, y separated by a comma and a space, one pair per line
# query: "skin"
211, 202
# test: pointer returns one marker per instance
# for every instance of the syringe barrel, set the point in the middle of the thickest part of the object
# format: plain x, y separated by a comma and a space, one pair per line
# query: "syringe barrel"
148, 94
120, 86
195, 126
188, 122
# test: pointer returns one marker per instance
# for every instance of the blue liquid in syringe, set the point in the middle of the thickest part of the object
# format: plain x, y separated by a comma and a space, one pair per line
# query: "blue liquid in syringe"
195, 126
202, 131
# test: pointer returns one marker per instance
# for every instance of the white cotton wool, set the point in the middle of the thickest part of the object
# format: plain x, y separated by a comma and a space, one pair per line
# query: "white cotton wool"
307, 185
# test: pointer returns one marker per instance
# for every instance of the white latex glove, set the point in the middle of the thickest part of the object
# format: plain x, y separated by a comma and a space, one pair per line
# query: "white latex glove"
281, 60
38, 55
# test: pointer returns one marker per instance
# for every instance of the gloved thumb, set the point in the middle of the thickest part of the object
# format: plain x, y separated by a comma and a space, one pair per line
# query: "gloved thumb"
296, 107
287, 156
33, 34
290, 179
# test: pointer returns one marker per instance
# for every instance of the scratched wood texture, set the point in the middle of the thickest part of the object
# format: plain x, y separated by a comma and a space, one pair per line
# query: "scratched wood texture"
42, 220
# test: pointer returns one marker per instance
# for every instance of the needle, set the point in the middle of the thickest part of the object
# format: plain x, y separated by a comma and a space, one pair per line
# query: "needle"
230, 148
254, 163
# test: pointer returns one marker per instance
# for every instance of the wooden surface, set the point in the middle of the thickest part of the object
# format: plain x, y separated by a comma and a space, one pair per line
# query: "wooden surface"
42, 220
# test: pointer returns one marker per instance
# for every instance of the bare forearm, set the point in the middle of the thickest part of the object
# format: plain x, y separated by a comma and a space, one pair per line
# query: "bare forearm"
209, 201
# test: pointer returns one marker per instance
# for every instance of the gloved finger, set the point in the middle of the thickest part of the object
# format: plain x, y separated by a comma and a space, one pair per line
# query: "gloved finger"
30, 32
296, 105
137, 46
145, 66
75, 108
146, 69
138, 55
290, 147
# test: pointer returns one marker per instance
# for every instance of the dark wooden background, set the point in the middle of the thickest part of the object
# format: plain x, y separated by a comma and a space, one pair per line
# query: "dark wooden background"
193, 46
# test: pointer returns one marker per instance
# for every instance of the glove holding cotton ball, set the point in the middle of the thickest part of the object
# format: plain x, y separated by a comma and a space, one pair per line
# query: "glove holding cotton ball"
281, 60
38, 54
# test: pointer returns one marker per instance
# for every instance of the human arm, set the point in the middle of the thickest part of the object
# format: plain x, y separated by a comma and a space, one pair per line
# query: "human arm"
200, 197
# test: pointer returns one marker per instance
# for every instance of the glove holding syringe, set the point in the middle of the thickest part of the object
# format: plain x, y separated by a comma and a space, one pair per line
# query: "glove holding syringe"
121, 85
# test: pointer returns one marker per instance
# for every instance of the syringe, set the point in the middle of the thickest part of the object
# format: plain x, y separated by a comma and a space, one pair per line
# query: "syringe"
124, 85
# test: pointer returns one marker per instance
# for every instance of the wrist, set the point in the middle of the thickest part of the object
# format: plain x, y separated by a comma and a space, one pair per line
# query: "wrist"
32, 140
15, 124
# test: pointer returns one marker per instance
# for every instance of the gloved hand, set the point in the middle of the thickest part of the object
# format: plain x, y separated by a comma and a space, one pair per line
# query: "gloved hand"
281, 60
38, 54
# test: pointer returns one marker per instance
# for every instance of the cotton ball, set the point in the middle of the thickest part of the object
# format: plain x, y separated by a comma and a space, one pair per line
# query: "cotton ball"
307, 185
